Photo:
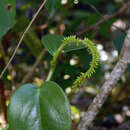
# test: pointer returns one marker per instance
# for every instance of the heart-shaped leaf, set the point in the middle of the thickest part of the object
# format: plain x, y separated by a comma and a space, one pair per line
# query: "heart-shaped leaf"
52, 42
44, 108
7, 15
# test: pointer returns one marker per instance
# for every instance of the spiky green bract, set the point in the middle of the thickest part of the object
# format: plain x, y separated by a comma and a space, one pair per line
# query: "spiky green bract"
93, 64
92, 50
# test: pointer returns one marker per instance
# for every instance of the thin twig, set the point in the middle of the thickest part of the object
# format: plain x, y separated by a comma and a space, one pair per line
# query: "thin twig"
110, 83
28, 76
103, 17
26, 30
106, 18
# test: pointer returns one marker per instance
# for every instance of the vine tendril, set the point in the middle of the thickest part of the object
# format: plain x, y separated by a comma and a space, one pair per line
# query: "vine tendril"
93, 64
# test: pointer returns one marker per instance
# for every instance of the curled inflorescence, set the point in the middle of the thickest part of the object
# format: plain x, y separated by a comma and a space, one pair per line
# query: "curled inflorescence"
93, 64
92, 50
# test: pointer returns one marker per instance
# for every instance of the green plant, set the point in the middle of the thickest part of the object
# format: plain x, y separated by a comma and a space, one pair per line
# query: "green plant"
47, 107
92, 49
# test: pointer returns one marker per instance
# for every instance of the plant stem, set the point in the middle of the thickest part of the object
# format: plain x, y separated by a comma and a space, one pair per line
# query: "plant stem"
50, 73
53, 62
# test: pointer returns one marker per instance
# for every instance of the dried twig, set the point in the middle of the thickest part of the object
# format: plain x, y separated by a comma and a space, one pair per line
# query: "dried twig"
106, 18
26, 30
110, 83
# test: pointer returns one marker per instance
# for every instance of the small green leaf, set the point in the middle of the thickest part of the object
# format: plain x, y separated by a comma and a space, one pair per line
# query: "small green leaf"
52, 42
31, 37
51, 5
119, 40
7, 15
92, 18
45, 108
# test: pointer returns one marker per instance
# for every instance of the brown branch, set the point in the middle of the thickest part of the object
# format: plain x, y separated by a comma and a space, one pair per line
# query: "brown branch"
101, 97
19, 43
29, 75
106, 18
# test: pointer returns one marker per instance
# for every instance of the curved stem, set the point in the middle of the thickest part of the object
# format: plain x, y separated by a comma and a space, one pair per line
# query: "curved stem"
53, 62
50, 74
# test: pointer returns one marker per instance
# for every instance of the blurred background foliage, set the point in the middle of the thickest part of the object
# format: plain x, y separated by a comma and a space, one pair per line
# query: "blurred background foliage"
32, 61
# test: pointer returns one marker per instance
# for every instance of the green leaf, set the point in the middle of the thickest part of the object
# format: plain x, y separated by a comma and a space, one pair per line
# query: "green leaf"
31, 37
111, 8
7, 15
92, 18
44, 108
51, 5
52, 42
119, 40
128, 70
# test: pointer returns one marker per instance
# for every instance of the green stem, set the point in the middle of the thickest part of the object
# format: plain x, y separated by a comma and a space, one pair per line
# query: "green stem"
50, 74
53, 62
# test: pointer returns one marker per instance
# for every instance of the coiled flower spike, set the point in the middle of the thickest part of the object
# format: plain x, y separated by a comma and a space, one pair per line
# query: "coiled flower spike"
92, 50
